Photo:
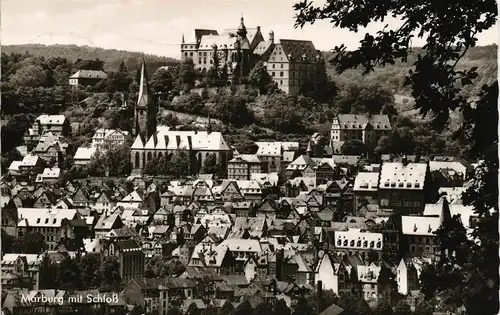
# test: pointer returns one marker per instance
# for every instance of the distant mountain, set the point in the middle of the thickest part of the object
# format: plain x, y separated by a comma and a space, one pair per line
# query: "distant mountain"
111, 57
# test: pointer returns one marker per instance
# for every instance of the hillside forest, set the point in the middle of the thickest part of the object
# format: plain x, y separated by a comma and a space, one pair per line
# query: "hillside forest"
35, 80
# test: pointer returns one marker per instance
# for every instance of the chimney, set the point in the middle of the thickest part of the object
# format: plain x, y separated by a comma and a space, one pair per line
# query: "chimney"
271, 37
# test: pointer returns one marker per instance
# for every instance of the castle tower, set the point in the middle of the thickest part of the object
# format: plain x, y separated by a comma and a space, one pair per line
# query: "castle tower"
271, 36
145, 109
242, 30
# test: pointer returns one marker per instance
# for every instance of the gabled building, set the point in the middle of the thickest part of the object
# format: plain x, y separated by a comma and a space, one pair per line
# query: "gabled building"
366, 128
87, 77
243, 166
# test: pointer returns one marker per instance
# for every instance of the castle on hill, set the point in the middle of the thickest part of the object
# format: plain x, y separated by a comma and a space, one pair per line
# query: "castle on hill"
291, 63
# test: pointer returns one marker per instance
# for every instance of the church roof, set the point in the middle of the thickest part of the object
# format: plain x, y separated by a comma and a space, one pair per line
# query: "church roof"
138, 144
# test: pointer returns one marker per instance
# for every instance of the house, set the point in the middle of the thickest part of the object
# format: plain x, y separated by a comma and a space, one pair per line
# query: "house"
270, 154
365, 189
14, 168
51, 148
420, 235
54, 224
113, 137
368, 245
407, 276
366, 128
303, 166
21, 267
31, 166
49, 175
87, 77
333, 273
243, 165
58, 125
151, 294
401, 187
83, 155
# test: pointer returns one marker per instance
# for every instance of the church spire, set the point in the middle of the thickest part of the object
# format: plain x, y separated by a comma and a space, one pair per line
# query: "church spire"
143, 98
309, 149
182, 41
445, 215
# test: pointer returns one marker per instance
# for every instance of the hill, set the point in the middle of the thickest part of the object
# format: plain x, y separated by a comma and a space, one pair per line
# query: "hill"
392, 76
111, 57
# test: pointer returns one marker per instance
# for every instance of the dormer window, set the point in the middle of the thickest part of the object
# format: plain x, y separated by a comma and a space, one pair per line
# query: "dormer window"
345, 243
339, 242
38, 220
365, 244
379, 244
372, 244
358, 244
46, 220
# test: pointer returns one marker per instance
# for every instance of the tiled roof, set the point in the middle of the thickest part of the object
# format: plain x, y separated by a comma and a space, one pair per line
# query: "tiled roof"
84, 153
51, 119
89, 74
37, 217
249, 158
296, 49
394, 175
360, 122
366, 181
195, 140
419, 225
354, 238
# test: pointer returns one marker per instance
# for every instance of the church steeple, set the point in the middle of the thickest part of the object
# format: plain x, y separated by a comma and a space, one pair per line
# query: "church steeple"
445, 215
242, 30
143, 98
182, 40
145, 109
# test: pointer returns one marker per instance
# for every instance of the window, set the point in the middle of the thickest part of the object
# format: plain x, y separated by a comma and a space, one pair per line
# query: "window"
281, 73
281, 82
281, 66
273, 65
272, 74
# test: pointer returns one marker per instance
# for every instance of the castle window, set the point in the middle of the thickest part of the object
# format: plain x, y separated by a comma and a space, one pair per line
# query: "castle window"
281, 73
273, 65
272, 74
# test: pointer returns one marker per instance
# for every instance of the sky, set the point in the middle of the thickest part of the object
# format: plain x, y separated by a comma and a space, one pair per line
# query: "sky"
156, 26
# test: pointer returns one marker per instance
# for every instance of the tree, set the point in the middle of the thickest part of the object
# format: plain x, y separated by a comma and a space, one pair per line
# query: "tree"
280, 308
187, 74
264, 308
110, 275
383, 308
210, 165
302, 307
354, 147
48, 273
88, 266
180, 164
174, 311
30, 76
193, 310
68, 276
361, 99
89, 64
244, 308
8, 242
260, 78
227, 308
33, 242
162, 81
233, 109
402, 308
424, 308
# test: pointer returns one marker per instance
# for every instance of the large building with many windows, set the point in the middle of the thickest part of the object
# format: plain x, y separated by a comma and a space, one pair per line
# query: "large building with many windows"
291, 63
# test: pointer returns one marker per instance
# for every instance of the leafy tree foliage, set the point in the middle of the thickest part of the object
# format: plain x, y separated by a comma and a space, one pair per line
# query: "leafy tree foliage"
227, 308
402, 308
354, 147
260, 78
33, 242
361, 99
110, 271
162, 81
233, 109
160, 267
383, 308
187, 74
112, 158
88, 64
210, 165
193, 309
189, 103
244, 308
264, 308
280, 308
424, 308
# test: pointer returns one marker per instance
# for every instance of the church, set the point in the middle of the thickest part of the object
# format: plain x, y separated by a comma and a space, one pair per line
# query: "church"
152, 141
